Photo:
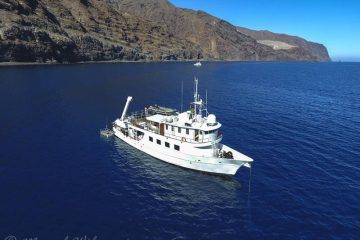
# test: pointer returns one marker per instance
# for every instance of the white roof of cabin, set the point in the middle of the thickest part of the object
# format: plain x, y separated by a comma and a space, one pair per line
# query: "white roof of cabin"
182, 119
156, 118
203, 126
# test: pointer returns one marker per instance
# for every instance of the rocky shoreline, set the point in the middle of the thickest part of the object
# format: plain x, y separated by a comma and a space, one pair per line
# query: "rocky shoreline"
4, 64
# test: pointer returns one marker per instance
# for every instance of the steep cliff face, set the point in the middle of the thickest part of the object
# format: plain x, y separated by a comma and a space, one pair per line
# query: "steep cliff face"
217, 38
72, 31
277, 41
94, 30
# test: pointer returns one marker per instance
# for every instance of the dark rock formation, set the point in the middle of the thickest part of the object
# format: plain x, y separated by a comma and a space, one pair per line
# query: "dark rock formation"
98, 30
79, 30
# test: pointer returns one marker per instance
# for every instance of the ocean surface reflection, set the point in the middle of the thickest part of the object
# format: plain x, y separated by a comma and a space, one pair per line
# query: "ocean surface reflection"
167, 181
299, 121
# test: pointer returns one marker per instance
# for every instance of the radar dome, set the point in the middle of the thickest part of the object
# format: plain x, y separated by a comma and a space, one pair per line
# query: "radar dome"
211, 120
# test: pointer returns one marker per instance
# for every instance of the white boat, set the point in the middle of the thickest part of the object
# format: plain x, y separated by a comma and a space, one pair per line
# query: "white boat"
198, 64
190, 139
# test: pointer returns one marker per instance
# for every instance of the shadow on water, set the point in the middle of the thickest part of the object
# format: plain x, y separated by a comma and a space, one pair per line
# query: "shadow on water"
177, 192
189, 184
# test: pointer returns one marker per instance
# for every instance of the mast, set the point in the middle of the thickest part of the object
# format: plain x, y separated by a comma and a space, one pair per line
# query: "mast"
196, 90
206, 96
182, 95
206, 102
199, 105
196, 96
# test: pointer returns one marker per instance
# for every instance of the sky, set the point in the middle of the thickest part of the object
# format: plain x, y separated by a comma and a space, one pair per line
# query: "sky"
334, 23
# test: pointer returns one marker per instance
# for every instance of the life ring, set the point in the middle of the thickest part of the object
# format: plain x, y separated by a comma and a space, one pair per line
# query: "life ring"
183, 139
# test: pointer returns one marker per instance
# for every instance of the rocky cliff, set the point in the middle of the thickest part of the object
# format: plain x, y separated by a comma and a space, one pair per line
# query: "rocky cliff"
98, 30
82, 30
216, 38
281, 41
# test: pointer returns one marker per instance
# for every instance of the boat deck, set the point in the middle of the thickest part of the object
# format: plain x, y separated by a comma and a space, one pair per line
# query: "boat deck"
139, 120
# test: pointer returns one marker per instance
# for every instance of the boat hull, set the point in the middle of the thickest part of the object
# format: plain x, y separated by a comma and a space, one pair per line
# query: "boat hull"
199, 163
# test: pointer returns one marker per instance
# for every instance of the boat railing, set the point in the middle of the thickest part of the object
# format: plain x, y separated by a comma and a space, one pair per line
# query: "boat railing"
190, 140
210, 139
182, 139
137, 115
138, 120
142, 123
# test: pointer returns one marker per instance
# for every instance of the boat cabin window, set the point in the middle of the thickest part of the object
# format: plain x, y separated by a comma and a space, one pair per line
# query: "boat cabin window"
179, 130
167, 144
187, 131
158, 141
177, 147
150, 139
209, 132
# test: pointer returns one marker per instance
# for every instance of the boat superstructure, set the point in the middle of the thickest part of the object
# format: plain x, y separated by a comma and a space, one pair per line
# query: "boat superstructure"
190, 139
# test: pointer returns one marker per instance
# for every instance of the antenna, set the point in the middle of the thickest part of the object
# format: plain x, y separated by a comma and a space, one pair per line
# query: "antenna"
195, 95
250, 179
206, 96
182, 95
206, 103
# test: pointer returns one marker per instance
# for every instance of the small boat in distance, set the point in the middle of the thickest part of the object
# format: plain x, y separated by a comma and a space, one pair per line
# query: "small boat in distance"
198, 64
190, 139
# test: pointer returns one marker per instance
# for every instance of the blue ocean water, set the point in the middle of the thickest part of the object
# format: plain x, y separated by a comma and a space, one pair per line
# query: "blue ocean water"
299, 121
